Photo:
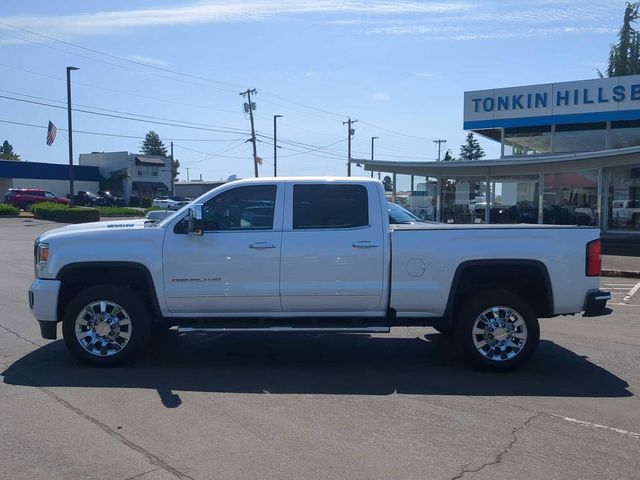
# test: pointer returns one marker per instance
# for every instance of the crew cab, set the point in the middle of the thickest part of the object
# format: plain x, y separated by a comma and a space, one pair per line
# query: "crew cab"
309, 254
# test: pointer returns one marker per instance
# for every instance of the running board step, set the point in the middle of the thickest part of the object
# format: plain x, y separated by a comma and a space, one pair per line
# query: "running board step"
284, 329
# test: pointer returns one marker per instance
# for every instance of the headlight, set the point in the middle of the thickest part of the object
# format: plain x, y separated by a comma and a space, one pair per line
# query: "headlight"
42, 255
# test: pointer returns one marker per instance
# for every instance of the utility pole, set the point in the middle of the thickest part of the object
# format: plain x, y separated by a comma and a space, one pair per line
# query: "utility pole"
439, 142
350, 132
70, 129
249, 108
187, 168
171, 170
275, 146
372, 139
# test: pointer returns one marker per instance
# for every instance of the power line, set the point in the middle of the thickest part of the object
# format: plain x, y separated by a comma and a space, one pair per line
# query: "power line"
155, 122
123, 59
120, 92
115, 111
396, 133
103, 134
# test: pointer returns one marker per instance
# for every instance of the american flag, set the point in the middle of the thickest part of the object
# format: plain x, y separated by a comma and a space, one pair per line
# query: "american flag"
51, 133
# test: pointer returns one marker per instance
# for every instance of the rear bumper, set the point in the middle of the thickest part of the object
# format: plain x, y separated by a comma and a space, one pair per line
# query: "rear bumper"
43, 302
595, 303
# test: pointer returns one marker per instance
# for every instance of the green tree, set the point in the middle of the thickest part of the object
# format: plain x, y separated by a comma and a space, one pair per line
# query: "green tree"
388, 183
447, 156
152, 145
624, 56
471, 149
7, 153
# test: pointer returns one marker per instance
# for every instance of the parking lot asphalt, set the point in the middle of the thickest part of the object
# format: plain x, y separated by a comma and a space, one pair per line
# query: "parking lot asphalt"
397, 406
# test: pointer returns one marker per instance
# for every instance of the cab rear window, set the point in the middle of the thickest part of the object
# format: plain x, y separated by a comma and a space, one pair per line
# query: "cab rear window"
330, 206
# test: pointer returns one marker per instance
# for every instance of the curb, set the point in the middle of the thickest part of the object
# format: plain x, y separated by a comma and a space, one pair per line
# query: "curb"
620, 273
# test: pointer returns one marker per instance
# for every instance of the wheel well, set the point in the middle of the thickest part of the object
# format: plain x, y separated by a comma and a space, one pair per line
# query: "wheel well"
76, 278
527, 279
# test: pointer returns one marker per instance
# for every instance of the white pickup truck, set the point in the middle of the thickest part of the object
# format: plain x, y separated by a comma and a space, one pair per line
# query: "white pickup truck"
309, 254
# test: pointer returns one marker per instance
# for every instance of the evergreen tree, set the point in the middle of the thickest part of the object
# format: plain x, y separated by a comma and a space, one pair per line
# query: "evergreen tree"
152, 145
388, 183
7, 153
624, 56
447, 156
471, 149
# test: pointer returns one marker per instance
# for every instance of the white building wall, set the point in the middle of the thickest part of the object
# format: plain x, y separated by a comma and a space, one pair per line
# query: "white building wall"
59, 187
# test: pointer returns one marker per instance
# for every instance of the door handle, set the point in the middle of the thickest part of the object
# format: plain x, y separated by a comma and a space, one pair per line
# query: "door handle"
262, 245
365, 244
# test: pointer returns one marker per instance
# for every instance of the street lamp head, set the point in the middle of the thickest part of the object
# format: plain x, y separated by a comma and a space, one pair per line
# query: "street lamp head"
278, 116
73, 68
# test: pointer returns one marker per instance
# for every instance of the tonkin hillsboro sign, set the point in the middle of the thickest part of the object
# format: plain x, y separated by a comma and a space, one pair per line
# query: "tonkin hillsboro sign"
602, 99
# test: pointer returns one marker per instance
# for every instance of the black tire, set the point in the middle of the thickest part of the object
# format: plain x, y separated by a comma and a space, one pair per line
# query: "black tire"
27, 207
487, 357
138, 328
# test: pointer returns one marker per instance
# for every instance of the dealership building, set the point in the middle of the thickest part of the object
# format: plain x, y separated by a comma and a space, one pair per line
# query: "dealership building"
569, 154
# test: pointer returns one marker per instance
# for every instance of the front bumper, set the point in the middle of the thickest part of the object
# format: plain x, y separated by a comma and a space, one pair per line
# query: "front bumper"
43, 302
596, 302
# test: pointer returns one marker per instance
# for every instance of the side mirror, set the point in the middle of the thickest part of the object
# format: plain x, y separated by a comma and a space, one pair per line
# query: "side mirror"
195, 222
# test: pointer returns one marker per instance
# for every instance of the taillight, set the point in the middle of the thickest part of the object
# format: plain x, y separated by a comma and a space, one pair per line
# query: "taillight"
594, 258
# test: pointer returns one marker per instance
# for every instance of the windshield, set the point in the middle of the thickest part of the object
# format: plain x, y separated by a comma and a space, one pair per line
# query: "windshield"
398, 214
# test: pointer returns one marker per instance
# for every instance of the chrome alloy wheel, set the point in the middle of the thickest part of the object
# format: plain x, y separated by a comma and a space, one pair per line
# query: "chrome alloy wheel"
103, 328
499, 333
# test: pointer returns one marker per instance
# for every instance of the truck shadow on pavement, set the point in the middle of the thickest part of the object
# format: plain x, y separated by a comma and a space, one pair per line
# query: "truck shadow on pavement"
318, 364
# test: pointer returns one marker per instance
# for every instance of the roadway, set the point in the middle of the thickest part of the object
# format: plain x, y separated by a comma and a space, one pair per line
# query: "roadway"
401, 406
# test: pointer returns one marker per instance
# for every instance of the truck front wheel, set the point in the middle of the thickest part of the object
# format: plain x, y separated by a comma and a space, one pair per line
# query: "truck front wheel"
105, 325
497, 330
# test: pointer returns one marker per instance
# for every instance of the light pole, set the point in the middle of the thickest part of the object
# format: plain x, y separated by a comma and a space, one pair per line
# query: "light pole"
70, 131
275, 146
372, 139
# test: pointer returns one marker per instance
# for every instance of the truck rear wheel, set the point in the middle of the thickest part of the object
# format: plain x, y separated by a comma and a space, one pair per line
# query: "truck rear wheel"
105, 325
497, 330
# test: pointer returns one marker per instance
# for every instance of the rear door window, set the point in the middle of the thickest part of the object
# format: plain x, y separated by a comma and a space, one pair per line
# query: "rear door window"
330, 206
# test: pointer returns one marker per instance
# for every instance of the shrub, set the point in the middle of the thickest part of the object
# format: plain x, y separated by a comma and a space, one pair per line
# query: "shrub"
6, 209
120, 212
58, 212
146, 202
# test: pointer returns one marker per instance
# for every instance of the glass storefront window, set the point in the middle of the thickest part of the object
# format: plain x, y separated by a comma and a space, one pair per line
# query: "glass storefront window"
625, 134
464, 200
584, 137
624, 199
571, 198
527, 140
514, 199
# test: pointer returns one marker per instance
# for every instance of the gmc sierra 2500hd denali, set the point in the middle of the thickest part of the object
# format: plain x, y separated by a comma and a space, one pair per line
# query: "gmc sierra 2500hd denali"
309, 254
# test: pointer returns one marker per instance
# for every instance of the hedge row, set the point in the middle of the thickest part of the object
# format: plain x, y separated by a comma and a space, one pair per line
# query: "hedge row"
120, 212
63, 213
6, 209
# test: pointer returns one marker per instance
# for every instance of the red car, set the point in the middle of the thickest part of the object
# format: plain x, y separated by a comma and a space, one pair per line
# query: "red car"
24, 198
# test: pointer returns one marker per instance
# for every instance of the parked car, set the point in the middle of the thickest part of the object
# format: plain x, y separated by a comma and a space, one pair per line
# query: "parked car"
88, 199
401, 216
310, 254
171, 202
625, 213
111, 200
158, 215
25, 198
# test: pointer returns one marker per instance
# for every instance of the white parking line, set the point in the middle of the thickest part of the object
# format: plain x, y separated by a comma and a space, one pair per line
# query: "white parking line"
632, 292
598, 426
